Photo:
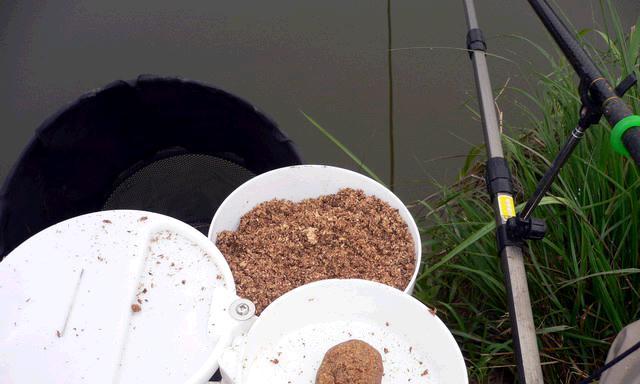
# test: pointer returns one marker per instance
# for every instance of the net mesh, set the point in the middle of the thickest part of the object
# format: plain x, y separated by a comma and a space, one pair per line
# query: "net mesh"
188, 187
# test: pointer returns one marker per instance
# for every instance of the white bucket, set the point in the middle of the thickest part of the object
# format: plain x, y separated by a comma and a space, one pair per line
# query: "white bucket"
302, 182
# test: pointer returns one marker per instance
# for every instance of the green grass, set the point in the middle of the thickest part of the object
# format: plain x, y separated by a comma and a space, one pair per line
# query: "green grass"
584, 277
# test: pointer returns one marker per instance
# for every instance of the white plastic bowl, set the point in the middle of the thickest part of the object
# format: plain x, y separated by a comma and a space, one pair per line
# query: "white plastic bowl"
302, 182
288, 341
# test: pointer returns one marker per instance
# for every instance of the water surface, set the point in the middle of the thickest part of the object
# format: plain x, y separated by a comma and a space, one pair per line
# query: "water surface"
327, 58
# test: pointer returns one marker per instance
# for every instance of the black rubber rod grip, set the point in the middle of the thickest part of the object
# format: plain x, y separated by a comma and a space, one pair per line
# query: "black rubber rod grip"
631, 141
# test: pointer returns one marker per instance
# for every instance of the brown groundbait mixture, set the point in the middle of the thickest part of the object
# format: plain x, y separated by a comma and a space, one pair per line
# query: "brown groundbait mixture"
281, 245
351, 362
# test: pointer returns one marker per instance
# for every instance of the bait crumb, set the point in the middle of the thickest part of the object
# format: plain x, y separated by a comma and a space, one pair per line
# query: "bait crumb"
385, 350
312, 238
281, 245
425, 373
136, 308
275, 361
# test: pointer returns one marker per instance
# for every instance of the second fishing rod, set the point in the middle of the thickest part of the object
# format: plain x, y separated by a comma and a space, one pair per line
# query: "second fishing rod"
599, 99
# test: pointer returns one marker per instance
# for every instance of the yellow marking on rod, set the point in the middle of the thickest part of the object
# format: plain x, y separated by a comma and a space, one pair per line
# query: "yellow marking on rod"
507, 208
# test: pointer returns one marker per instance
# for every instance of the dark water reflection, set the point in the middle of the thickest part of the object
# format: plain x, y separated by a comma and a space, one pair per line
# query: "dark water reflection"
327, 58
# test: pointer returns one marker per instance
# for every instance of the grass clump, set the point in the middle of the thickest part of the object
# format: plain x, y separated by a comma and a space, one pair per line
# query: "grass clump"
584, 277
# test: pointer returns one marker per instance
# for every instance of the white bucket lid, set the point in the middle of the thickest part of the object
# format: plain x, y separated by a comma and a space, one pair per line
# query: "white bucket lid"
115, 296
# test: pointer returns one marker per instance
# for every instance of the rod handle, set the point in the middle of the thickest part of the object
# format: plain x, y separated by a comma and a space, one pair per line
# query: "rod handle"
625, 137
631, 140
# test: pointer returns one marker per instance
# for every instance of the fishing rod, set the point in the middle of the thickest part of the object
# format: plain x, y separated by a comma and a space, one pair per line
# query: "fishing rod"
500, 188
598, 99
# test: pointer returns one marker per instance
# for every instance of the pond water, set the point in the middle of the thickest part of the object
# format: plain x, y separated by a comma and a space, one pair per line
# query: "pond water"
326, 58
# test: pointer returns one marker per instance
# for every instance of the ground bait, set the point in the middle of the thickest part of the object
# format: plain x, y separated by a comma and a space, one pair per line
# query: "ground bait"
280, 245
351, 362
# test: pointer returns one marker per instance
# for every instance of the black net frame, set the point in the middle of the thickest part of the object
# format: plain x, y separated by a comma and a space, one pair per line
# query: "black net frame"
78, 157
